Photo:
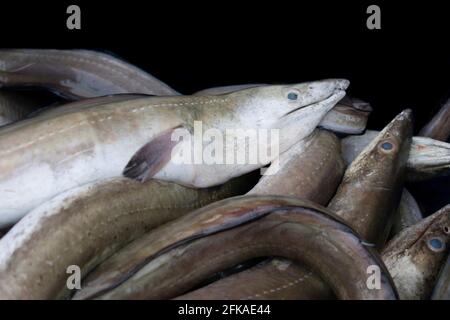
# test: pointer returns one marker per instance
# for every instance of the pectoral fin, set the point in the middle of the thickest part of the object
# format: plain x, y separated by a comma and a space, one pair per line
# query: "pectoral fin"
153, 156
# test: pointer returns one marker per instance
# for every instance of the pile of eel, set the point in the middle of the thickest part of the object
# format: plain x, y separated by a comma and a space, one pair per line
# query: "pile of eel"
108, 190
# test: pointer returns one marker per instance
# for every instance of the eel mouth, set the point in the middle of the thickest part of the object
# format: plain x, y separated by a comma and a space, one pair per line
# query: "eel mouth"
349, 105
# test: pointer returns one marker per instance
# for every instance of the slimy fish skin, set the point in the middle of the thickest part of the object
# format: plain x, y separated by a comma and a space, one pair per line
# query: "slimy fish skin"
428, 158
439, 127
349, 116
408, 213
370, 191
264, 225
76, 74
415, 256
366, 199
311, 169
85, 225
57, 151
15, 106
442, 289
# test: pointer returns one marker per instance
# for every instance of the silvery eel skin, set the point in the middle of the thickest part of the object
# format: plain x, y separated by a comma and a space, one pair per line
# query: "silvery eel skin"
61, 150
15, 106
428, 158
76, 74
408, 213
442, 289
207, 241
415, 256
301, 278
207, 220
272, 279
372, 185
349, 116
86, 225
372, 182
312, 170
438, 128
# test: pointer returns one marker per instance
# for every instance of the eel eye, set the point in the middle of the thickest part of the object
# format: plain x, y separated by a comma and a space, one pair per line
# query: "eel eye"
436, 244
386, 145
292, 96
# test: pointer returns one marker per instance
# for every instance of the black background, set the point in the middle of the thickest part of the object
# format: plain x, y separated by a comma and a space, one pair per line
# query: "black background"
299, 310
